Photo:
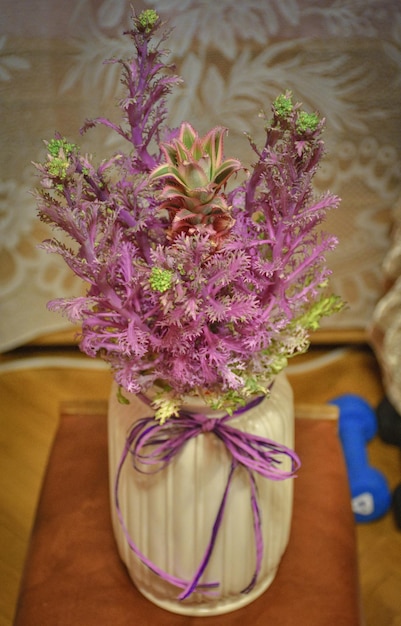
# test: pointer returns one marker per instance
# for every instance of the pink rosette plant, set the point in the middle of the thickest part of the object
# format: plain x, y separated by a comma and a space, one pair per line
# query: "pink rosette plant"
196, 285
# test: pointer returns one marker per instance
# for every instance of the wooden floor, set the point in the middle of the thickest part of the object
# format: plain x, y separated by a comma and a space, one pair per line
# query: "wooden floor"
34, 382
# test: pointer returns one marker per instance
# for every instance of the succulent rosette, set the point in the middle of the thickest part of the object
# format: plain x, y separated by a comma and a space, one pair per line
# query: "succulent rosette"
195, 173
203, 278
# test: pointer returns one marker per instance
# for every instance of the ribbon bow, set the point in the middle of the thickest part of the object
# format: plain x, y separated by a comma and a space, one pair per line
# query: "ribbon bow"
153, 444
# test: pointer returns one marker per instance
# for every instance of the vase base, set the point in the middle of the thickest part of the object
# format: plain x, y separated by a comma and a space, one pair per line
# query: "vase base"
205, 607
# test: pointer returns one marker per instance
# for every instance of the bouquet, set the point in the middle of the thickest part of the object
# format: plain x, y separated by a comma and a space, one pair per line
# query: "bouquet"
203, 278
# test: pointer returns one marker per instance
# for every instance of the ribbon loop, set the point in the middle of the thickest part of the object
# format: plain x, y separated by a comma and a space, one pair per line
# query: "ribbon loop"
152, 444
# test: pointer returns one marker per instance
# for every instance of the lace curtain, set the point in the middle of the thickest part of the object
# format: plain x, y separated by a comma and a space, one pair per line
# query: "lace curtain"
340, 58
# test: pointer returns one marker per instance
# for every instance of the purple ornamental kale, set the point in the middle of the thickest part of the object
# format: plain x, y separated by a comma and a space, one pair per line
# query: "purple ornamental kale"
192, 289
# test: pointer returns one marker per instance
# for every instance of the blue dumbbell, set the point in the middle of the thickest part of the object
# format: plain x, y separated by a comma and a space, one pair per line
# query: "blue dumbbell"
370, 493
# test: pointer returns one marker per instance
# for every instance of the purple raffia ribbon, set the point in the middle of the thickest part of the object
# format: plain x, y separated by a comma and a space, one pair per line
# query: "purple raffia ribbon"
154, 444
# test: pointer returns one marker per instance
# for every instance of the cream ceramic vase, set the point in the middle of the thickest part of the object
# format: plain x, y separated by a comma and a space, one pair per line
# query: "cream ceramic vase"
169, 515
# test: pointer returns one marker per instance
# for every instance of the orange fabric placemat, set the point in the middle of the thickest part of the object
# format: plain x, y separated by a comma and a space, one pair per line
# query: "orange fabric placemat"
74, 576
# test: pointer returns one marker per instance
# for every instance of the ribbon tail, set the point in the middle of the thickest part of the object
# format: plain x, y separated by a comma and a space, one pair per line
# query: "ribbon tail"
174, 580
257, 525
216, 526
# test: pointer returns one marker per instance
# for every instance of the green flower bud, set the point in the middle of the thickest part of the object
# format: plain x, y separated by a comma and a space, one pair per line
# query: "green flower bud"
55, 146
160, 279
283, 106
147, 19
59, 151
307, 121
